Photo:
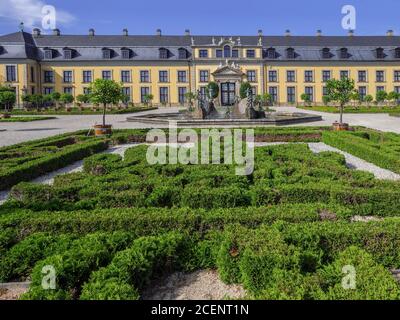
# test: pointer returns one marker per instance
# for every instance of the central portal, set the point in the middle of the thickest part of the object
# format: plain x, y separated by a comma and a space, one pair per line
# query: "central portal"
228, 94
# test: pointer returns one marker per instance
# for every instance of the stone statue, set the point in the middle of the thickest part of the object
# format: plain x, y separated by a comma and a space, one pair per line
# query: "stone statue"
251, 112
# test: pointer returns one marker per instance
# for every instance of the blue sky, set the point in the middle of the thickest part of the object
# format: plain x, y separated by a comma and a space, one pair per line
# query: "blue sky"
232, 17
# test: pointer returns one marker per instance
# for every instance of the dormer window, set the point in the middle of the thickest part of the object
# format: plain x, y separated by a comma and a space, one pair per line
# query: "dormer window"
271, 53
380, 53
125, 53
397, 53
1, 50
344, 53
48, 54
106, 53
227, 52
250, 53
183, 53
290, 53
326, 53
67, 54
164, 53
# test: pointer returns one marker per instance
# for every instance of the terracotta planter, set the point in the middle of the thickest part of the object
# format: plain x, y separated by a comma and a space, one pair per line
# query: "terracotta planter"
341, 126
100, 130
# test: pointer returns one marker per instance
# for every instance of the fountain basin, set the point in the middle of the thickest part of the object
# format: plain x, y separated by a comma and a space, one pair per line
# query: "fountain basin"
182, 120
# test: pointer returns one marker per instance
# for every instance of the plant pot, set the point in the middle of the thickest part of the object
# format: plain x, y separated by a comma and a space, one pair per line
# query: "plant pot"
100, 130
341, 126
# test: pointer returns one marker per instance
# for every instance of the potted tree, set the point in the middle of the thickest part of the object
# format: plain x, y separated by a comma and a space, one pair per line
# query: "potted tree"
306, 99
393, 97
67, 99
104, 92
368, 99
244, 89
148, 98
55, 98
326, 100
341, 91
381, 97
37, 101
7, 99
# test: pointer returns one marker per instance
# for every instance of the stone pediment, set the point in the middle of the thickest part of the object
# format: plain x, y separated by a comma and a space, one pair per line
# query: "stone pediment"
228, 70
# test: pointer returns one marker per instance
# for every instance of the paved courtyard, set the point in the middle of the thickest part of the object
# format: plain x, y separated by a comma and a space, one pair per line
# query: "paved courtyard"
11, 133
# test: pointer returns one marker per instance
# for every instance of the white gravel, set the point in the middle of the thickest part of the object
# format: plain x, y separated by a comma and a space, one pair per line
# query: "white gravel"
357, 163
200, 285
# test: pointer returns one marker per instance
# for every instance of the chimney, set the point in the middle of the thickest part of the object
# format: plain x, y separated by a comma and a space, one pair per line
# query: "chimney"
260, 32
158, 32
36, 32
390, 33
287, 33
56, 32
91, 32
125, 32
187, 32
319, 33
351, 33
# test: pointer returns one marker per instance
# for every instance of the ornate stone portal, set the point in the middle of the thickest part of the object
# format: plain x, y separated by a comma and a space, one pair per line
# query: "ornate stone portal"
228, 77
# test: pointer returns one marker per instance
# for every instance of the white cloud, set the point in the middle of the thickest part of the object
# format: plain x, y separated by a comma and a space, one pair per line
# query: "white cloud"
30, 12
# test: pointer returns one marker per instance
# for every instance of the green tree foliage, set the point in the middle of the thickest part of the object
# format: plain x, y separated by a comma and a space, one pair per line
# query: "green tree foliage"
214, 88
7, 99
341, 91
244, 89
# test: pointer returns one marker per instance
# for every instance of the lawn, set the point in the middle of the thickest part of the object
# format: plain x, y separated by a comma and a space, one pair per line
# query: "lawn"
26, 119
331, 109
77, 111
283, 232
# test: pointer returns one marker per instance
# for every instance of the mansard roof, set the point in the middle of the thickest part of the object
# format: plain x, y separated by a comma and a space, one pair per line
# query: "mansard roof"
22, 45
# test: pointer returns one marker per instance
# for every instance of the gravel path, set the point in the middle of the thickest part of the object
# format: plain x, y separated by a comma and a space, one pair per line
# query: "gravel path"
12, 291
200, 285
357, 163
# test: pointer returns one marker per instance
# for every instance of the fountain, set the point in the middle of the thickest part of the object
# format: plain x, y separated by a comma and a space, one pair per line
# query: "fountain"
242, 114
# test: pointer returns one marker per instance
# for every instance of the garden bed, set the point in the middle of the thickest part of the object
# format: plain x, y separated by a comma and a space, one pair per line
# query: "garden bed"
330, 109
26, 119
76, 111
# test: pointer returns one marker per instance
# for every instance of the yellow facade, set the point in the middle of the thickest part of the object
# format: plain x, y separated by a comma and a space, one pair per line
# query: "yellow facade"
30, 75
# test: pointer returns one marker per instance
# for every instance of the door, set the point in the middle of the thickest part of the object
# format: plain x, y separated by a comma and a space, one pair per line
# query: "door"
228, 94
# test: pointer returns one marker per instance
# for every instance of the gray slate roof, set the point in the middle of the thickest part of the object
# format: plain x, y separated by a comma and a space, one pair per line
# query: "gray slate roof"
22, 45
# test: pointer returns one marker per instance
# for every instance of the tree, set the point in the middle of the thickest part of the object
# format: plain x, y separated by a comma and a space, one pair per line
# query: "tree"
66, 98
393, 97
8, 99
104, 91
381, 96
244, 89
83, 98
148, 98
190, 96
326, 100
340, 91
355, 97
263, 99
55, 97
368, 99
214, 88
37, 100
306, 98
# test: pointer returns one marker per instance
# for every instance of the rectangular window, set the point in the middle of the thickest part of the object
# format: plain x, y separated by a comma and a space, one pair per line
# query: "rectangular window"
86, 91
67, 76
106, 54
396, 76
48, 76
144, 76
362, 76
235, 53
126, 91
250, 53
125, 76
144, 91
273, 92
324, 91
290, 76
273, 76
48, 90
203, 53
291, 94
363, 92
254, 91
380, 88
67, 54
68, 90
182, 76
87, 76
310, 92
107, 75
326, 75
163, 76
203, 92
251, 76
344, 74
163, 53
181, 94
204, 76
218, 53
126, 54
11, 73
164, 95
48, 54
380, 76
33, 74
308, 76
